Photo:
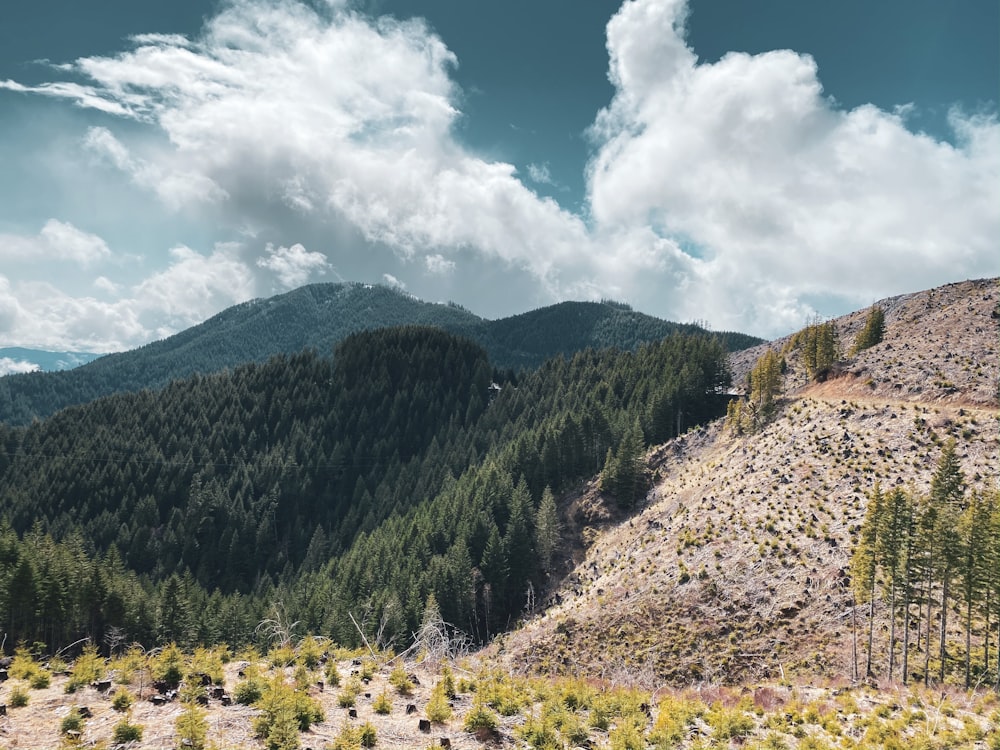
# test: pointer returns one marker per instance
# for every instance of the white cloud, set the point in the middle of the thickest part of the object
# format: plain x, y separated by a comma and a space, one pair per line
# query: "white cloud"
10, 366
783, 194
104, 284
732, 191
392, 281
293, 265
57, 241
540, 173
438, 264
176, 187
195, 286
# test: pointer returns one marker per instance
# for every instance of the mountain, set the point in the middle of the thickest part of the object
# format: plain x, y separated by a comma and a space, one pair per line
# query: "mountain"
738, 566
359, 483
15, 359
318, 317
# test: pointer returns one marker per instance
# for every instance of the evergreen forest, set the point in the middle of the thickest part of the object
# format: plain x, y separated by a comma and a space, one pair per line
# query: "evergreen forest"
340, 492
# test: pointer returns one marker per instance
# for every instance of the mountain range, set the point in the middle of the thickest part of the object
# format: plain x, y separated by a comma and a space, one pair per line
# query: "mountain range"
318, 317
597, 514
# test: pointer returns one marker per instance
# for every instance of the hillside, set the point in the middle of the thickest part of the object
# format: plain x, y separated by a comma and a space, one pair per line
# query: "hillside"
737, 566
318, 317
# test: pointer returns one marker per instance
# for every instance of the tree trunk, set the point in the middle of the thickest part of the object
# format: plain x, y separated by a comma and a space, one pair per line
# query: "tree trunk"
892, 626
944, 621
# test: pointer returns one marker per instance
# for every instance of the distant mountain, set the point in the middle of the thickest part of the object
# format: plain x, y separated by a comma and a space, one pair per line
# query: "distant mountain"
16, 359
318, 317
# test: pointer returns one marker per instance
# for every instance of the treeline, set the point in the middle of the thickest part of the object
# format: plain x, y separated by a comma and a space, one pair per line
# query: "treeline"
318, 317
401, 468
924, 557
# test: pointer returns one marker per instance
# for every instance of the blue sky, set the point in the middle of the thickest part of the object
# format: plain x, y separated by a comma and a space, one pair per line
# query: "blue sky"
745, 163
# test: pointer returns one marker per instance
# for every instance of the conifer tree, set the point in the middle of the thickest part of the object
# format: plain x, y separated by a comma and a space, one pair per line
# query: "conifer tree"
864, 563
547, 529
948, 495
872, 331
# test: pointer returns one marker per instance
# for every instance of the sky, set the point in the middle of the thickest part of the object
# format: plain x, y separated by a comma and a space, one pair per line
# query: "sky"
751, 165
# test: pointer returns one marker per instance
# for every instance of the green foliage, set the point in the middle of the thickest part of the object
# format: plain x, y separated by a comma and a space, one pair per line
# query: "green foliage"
88, 668
72, 721
18, 697
251, 687
480, 718
191, 727
332, 673
764, 387
367, 735
125, 732
122, 700
438, 709
382, 704
168, 664
400, 680
820, 348
729, 723
284, 712
872, 331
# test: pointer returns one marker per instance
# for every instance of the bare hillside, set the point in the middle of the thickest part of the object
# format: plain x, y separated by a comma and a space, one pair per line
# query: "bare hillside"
736, 568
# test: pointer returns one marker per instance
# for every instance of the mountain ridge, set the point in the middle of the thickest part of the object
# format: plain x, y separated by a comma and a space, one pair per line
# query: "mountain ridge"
318, 316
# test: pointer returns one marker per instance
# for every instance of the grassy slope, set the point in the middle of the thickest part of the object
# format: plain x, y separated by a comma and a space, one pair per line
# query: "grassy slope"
736, 568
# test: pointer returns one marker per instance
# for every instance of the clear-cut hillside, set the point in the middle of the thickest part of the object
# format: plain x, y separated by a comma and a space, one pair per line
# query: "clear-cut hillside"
736, 567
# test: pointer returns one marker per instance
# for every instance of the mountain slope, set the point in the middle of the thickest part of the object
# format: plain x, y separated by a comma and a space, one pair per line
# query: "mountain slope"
318, 317
737, 567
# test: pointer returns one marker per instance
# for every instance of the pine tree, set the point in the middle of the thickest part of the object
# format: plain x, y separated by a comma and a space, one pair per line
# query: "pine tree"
864, 563
948, 494
547, 530
872, 331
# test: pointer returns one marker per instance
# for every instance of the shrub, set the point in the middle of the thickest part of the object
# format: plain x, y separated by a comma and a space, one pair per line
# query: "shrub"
729, 723
40, 680
332, 674
438, 708
88, 668
400, 680
251, 687
18, 697
310, 652
122, 700
168, 665
191, 727
382, 703
480, 718
367, 735
124, 732
72, 722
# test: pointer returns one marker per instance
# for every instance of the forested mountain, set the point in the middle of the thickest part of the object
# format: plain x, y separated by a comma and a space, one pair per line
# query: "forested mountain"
318, 317
360, 483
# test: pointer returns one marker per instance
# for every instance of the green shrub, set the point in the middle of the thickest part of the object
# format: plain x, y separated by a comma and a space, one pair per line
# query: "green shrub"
72, 722
729, 723
332, 673
40, 680
367, 735
480, 718
18, 697
87, 669
168, 665
122, 700
382, 704
401, 681
438, 708
124, 732
191, 727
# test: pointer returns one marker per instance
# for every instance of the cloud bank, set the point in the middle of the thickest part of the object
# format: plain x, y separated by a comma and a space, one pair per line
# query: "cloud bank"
733, 192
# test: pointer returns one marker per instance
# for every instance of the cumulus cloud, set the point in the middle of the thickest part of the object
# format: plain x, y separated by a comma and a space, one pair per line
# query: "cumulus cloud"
782, 194
392, 281
57, 241
193, 287
10, 366
733, 191
293, 265
176, 187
